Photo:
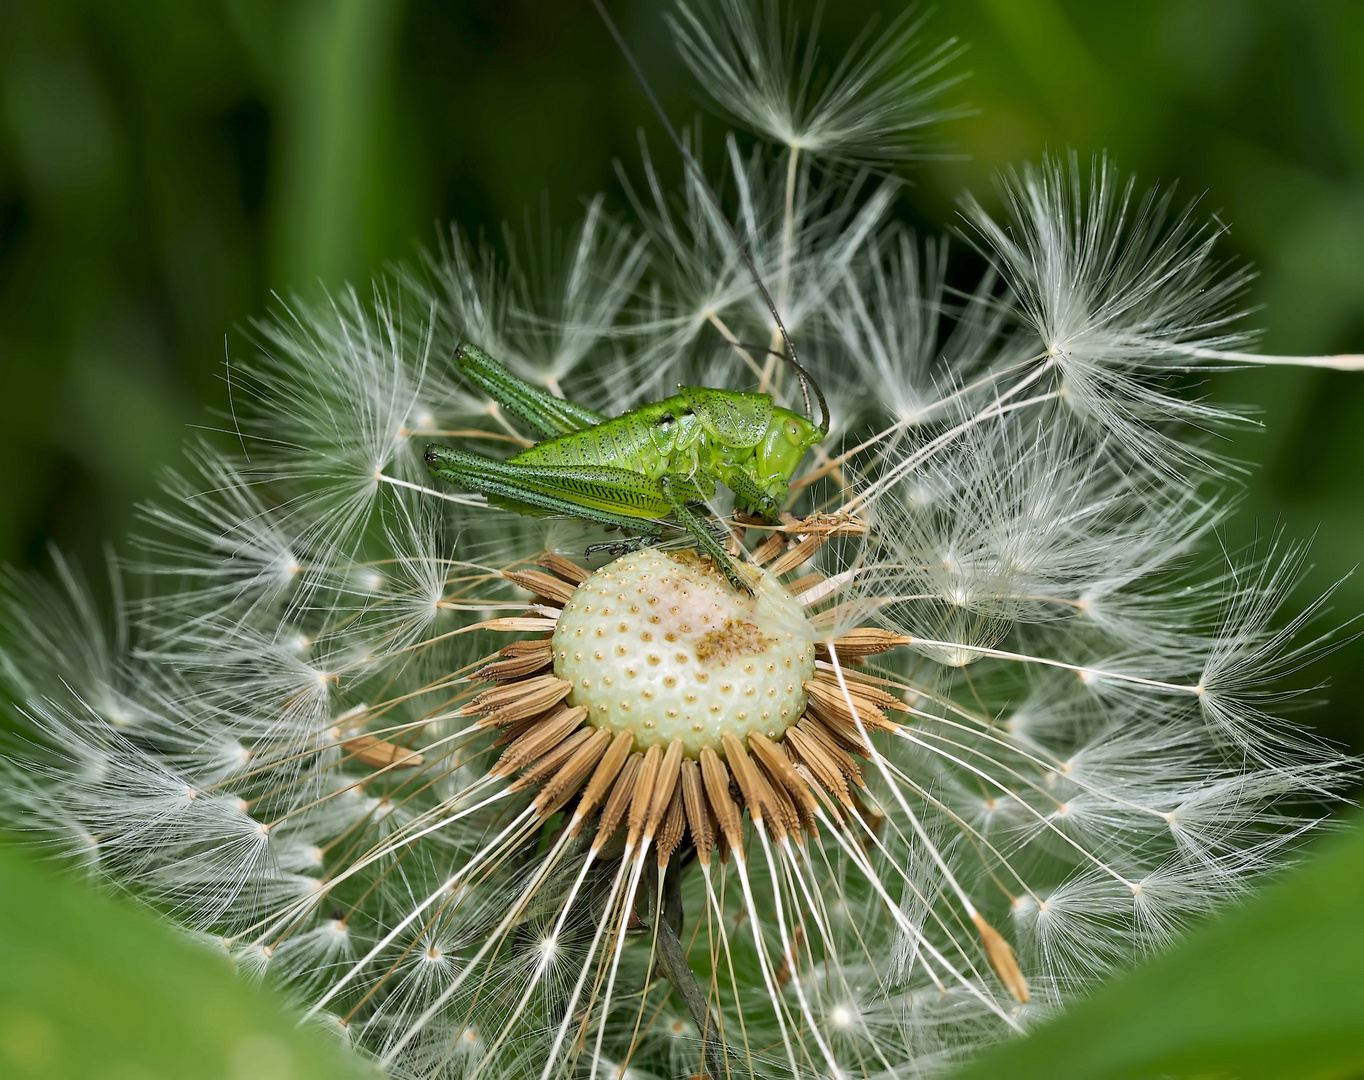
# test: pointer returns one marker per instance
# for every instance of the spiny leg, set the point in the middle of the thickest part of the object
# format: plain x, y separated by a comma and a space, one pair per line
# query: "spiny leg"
700, 530
587, 492
624, 546
534, 405
750, 496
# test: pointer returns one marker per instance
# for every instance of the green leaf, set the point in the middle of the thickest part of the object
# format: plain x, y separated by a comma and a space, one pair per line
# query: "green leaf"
92, 988
1271, 989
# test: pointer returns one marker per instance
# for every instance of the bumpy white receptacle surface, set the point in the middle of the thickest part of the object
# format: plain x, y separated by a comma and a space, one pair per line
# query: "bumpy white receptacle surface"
658, 644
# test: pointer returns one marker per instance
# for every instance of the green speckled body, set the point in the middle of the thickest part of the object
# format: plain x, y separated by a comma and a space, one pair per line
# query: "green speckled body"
638, 468
698, 436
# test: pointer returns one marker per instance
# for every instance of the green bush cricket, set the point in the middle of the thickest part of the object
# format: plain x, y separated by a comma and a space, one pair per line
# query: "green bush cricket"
659, 460
636, 469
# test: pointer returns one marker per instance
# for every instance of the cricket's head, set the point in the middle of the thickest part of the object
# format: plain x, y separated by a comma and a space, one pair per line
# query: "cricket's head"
789, 435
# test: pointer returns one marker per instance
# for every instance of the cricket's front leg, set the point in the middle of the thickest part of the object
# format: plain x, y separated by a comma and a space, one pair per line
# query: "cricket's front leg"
678, 492
750, 495
624, 546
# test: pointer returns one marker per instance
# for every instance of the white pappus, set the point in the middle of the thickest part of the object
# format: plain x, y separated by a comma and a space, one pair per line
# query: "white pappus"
1037, 735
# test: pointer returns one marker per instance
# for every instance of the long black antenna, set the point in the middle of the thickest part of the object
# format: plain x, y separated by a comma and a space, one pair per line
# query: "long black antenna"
806, 379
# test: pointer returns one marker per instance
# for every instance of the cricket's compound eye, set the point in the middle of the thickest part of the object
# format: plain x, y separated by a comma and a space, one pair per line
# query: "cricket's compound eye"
794, 435
660, 645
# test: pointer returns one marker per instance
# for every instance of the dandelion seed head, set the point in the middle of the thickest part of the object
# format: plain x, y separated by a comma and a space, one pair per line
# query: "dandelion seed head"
345, 731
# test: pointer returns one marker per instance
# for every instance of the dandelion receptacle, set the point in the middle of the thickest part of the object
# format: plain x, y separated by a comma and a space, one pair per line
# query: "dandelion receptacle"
991, 715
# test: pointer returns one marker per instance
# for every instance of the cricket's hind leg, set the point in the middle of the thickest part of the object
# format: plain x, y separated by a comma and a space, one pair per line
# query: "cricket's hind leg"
627, 545
534, 405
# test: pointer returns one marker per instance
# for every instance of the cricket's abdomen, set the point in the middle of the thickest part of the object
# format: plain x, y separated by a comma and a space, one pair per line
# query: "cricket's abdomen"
629, 441
640, 448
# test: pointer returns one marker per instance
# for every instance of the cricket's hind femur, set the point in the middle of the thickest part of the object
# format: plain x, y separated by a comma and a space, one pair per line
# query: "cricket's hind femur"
658, 644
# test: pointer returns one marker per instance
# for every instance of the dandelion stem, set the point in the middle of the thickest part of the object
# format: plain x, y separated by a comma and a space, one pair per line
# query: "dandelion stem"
672, 959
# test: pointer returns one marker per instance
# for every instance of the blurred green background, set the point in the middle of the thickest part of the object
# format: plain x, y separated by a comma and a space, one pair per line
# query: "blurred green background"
166, 164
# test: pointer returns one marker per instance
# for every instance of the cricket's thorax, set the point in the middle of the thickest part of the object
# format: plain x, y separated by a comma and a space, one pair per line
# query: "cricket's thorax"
658, 644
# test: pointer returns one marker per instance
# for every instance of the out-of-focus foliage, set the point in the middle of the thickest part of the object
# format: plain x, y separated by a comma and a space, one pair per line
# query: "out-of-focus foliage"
1268, 993
91, 989
165, 165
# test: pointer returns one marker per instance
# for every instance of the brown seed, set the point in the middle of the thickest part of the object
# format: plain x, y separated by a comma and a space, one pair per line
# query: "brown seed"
563, 568
799, 554
698, 812
821, 793
541, 739
780, 769
775, 794
726, 811
611, 764
838, 728
517, 660
821, 735
674, 827
378, 753
763, 806
548, 586
549, 764
505, 704
859, 682
539, 646
569, 778
801, 584
645, 782
862, 641
812, 755
769, 549
526, 724
832, 704
663, 788
621, 796
1001, 958
501, 695
858, 689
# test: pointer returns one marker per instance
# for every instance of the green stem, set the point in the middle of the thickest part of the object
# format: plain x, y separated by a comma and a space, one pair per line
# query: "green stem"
672, 962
